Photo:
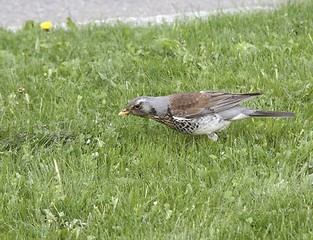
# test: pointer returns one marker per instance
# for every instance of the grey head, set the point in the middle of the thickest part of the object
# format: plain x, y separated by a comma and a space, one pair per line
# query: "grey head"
146, 106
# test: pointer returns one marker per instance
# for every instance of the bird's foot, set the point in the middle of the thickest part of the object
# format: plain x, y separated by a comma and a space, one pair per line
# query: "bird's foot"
213, 136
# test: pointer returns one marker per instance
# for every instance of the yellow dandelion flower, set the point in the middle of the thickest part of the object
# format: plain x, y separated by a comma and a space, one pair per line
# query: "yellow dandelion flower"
46, 25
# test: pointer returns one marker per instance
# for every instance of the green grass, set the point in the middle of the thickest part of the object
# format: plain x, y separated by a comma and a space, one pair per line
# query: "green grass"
130, 178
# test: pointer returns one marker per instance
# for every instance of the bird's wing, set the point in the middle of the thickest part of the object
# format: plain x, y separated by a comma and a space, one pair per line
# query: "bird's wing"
197, 104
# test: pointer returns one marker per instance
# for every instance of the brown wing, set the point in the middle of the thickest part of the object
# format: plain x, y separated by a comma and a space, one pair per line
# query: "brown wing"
196, 104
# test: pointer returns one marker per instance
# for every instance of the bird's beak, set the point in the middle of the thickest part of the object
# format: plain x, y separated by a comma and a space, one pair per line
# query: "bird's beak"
124, 112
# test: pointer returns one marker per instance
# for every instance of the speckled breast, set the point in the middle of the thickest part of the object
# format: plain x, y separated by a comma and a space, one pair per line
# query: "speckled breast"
195, 126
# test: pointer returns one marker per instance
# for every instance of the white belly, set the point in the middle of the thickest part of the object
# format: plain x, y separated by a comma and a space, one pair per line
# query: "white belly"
210, 124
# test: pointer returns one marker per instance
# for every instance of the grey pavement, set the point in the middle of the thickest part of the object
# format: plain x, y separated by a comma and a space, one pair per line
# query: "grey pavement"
14, 13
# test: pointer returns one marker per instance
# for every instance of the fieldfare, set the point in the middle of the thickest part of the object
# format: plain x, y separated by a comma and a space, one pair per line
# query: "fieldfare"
197, 113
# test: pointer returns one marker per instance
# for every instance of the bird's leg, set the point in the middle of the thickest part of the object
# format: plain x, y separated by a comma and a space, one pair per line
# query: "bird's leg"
213, 136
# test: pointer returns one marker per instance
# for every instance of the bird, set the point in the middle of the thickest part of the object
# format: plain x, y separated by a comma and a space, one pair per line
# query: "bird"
197, 113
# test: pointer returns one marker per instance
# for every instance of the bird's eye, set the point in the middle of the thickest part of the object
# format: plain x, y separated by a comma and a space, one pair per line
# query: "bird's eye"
137, 106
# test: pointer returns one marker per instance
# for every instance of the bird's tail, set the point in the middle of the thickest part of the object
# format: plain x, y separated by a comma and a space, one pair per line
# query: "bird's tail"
258, 113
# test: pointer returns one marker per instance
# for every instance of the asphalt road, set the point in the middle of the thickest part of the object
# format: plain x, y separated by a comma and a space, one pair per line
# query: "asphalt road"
14, 13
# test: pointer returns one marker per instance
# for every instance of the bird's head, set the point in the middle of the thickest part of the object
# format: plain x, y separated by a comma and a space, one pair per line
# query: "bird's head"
140, 106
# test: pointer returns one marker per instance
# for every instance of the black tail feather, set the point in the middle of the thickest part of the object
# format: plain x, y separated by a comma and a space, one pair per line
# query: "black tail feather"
258, 113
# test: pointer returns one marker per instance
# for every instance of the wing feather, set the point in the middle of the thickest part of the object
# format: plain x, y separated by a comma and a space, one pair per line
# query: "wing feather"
197, 104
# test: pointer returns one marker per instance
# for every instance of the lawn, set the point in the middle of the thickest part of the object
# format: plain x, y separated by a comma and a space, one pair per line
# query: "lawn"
71, 168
